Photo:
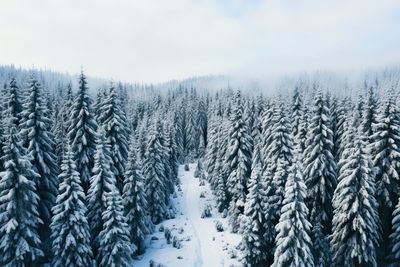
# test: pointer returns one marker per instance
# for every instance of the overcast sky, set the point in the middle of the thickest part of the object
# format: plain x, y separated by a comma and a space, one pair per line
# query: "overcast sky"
158, 40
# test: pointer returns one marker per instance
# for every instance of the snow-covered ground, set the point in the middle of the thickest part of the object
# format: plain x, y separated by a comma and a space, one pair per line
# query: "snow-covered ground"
202, 244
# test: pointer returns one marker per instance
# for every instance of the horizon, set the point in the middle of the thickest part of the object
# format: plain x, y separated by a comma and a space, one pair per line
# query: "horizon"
157, 42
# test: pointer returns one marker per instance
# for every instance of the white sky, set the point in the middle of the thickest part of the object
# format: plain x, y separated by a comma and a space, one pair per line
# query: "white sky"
158, 40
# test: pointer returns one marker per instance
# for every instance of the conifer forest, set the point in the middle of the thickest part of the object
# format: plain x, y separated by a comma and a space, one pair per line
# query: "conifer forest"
308, 177
199, 133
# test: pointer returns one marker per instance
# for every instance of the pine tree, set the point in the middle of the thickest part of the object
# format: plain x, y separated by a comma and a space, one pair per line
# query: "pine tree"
113, 119
395, 238
320, 171
134, 201
238, 162
385, 157
35, 132
60, 129
82, 132
13, 106
69, 227
212, 147
370, 115
355, 222
297, 108
101, 182
154, 174
115, 249
20, 243
293, 242
253, 241
278, 157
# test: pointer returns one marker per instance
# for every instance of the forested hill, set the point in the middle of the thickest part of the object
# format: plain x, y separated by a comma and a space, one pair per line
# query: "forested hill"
309, 175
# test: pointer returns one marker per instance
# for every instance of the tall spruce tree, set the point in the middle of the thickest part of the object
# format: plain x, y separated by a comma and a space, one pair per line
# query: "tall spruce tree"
35, 132
134, 201
238, 161
356, 227
278, 157
386, 157
20, 243
293, 242
394, 257
154, 174
69, 228
101, 182
82, 132
13, 104
115, 248
113, 119
253, 229
320, 175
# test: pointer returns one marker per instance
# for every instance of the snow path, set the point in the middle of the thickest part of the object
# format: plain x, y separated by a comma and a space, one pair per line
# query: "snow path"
204, 226
202, 245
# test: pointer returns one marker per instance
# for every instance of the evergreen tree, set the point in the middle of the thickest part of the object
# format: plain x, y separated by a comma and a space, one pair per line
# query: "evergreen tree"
13, 105
20, 243
278, 157
320, 171
134, 200
113, 119
154, 174
82, 132
370, 115
254, 249
101, 182
395, 238
355, 222
69, 227
35, 132
238, 162
386, 157
297, 107
115, 249
293, 242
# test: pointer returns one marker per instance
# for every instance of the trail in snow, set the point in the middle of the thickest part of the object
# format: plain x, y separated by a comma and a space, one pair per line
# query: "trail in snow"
202, 245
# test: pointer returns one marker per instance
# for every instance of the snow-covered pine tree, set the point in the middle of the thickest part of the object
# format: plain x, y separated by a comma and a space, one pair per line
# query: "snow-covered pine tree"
278, 157
293, 242
370, 114
115, 248
238, 161
101, 182
20, 243
394, 257
37, 138
266, 127
320, 172
134, 200
296, 111
192, 132
154, 174
213, 145
12, 102
113, 119
355, 224
172, 152
82, 132
342, 115
60, 129
254, 220
69, 227
385, 157
301, 137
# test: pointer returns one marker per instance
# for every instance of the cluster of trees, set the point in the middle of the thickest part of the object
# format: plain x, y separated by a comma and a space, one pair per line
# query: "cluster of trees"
308, 180
77, 188
311, 180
